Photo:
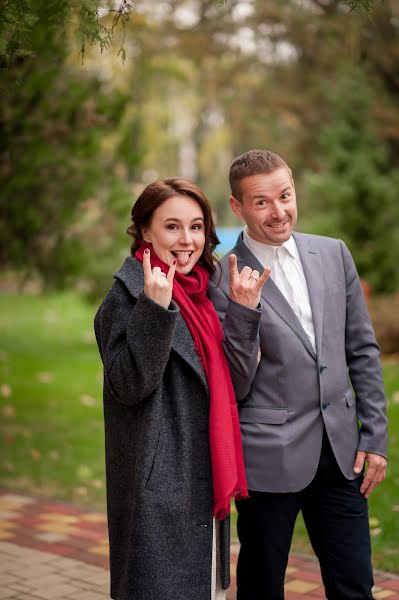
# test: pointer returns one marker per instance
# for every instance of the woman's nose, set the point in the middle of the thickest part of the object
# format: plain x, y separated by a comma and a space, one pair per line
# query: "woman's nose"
185, 237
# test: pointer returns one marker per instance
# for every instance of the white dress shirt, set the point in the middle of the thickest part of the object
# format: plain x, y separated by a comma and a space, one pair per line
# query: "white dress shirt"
287, 273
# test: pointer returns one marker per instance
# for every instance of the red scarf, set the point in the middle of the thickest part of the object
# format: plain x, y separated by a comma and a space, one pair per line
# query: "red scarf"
228, 473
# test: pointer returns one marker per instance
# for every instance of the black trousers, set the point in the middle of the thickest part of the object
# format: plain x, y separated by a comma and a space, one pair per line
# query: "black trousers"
336, 518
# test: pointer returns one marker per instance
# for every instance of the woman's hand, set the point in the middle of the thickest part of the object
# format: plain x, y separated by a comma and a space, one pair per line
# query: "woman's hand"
157, 285
246, 287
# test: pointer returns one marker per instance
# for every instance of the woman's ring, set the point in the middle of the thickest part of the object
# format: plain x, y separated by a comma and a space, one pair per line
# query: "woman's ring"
252, 277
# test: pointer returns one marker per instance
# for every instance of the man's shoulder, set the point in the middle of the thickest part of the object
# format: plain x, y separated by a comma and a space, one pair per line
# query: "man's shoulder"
320, 241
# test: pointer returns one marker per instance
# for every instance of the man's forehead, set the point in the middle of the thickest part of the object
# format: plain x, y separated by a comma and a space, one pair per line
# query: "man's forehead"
265, 183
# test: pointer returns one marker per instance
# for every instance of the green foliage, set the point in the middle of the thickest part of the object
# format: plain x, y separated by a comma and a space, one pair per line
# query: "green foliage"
356, 193
20, 22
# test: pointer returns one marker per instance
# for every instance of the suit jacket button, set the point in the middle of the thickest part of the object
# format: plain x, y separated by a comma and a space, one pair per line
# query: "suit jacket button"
322, 368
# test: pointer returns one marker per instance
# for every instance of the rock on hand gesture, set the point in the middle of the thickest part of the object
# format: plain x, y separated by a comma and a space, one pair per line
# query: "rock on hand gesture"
157, 285
246, 287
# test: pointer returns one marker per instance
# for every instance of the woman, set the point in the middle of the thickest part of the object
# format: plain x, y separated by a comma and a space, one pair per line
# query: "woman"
173, 446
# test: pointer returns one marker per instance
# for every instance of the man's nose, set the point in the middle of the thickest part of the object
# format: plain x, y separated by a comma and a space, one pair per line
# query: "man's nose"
278, 211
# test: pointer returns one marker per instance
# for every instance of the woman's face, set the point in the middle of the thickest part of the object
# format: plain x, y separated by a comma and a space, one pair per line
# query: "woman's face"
177, 231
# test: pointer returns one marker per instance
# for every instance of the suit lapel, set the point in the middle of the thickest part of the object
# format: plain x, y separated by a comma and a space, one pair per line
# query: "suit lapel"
313, 270
131, 274
272, 295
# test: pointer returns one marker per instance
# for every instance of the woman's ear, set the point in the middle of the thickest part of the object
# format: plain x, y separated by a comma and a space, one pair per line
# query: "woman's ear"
146, 236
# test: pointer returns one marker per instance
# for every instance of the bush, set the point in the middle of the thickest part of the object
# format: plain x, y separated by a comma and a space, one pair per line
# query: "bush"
384, 311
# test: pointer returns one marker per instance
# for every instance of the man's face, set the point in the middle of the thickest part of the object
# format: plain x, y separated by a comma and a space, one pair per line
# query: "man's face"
268, 206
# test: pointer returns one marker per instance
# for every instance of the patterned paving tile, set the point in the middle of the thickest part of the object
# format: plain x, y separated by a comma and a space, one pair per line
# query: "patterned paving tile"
44, 538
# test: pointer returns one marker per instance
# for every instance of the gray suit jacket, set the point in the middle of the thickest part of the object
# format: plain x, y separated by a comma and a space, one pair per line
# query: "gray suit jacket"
287, 397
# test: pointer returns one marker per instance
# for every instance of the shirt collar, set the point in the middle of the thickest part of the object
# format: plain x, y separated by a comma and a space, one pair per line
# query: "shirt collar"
267, 251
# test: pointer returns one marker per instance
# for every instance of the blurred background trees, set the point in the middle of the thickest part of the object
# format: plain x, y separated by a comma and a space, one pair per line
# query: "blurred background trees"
203, 81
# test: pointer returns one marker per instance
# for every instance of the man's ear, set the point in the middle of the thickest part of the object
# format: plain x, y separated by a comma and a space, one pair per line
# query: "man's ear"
235, 206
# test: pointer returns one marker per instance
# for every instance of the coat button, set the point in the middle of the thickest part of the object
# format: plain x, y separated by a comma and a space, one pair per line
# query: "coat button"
325, 406
322, 368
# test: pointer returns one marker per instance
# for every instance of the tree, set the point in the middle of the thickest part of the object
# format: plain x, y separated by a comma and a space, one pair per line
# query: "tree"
355, 196
54, 172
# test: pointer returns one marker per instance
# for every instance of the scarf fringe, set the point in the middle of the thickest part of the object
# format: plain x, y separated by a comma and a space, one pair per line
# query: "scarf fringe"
221, 511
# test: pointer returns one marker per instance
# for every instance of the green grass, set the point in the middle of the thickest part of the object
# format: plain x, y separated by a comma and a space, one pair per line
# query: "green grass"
51, 426
51, 408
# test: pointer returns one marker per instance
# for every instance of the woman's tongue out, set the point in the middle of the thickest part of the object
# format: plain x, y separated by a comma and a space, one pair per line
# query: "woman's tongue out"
182, 258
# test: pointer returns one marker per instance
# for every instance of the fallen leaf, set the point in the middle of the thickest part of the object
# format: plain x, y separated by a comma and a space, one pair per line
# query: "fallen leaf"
84, 472
97, 483
373, 522
5, 390
50, 316
376, 531
8, 466
8, 411
395, 397
395, 508
54, 454
87, 400
45, 377
35, 454
88, 337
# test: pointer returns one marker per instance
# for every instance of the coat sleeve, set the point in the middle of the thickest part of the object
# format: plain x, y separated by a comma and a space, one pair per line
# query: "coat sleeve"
363, 360
134, 339
241, 337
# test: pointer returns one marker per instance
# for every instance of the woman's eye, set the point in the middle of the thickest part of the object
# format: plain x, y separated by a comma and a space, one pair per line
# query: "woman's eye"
197, 227
171, 226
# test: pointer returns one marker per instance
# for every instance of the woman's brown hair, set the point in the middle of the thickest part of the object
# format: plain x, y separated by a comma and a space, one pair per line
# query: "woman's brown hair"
154, 195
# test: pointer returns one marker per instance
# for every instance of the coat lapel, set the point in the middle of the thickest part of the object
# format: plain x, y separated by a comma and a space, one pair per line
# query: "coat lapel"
272, 295
313, 270
131, 275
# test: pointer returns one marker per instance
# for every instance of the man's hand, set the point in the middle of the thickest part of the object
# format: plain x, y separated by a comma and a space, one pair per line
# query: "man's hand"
376, 470
246, 287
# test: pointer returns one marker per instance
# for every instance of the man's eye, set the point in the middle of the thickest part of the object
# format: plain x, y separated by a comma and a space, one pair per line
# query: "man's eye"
285, 197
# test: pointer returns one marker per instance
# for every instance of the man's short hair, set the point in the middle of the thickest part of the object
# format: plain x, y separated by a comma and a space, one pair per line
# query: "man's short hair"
253, 162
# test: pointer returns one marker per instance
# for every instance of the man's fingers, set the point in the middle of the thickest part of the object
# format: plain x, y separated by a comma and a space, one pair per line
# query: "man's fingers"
233, 267
147, 264
264, 277
172, 271
376, 470
359, 462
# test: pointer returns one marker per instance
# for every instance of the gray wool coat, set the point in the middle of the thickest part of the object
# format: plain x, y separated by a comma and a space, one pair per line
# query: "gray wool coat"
159, 484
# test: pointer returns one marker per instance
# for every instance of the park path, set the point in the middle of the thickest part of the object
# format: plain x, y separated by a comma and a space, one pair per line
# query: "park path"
52, 550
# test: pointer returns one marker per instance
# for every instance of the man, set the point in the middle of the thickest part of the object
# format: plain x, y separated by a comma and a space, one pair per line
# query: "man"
306, 370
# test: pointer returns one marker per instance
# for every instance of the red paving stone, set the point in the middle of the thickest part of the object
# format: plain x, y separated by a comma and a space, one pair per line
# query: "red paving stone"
70, 531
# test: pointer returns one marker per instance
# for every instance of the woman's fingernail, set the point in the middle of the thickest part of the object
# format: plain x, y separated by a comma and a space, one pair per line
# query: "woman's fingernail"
147, 250
174, 261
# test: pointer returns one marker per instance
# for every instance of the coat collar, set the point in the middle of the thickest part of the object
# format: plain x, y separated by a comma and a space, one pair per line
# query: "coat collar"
311, 263
132, 277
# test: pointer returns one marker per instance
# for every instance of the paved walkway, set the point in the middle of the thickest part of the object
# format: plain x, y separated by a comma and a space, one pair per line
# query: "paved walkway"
56, 551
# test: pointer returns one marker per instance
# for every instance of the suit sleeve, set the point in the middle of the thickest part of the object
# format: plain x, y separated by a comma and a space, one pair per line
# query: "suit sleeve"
363, 360
241, 336
134, 339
